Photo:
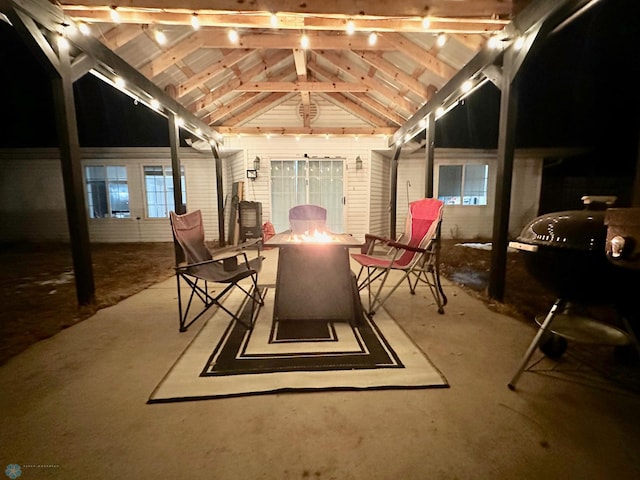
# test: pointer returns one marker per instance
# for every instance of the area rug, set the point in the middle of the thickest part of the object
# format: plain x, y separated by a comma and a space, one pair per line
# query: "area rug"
225, 359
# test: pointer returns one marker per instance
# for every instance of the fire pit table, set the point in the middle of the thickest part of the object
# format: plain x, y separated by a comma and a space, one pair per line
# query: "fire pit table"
314, 279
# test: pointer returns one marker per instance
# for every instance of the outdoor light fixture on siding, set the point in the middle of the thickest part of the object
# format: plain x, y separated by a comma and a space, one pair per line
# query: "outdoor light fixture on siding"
358, 163
256, 163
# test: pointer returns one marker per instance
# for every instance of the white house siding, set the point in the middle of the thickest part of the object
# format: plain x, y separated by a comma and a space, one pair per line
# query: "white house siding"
525, 191
32, 196
379, 195
286, 147
32, 203
465, 221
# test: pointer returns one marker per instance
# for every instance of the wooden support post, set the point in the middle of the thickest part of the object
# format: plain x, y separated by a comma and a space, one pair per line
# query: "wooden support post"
429, 149
393, 190
506, 147
220, 194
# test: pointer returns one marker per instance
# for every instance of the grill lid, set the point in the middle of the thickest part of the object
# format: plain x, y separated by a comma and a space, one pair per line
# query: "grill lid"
571, 229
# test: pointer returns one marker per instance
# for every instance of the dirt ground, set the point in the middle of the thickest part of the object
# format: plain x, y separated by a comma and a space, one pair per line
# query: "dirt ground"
39, 297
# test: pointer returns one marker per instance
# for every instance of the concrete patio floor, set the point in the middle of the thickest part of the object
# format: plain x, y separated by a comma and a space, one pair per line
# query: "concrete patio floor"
74, 406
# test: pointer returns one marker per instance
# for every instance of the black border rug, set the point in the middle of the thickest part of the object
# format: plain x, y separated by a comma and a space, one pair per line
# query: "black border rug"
226, 359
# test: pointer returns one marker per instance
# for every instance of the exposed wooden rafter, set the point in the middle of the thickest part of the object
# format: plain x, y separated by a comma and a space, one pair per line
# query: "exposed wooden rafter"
228, 83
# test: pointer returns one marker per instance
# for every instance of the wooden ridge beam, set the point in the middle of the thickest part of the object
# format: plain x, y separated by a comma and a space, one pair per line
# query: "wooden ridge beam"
352, 131
303, 87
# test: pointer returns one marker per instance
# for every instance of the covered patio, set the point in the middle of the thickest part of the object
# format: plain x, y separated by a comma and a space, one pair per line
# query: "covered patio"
75, 405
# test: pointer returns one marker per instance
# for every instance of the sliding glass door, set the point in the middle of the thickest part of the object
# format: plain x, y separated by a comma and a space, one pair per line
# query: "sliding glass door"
315, 181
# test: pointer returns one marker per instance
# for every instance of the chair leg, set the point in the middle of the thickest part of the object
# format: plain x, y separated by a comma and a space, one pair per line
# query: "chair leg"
379, 302
546, 324
196, 291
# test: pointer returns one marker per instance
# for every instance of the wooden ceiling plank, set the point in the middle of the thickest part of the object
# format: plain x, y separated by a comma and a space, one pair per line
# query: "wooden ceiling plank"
227, 110
472, 42
361, 75
375, 107
258, 107
353, 108
120, 35
377, 60
264, 66
239, 102
170, 56
381, 109
419, 55
216, 68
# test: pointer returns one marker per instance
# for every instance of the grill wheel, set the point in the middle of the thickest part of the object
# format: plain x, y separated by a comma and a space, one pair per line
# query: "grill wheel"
552, 345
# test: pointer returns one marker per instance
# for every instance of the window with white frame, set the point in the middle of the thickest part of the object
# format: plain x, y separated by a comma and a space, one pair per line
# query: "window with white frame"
158, 184
107, 191
463, 184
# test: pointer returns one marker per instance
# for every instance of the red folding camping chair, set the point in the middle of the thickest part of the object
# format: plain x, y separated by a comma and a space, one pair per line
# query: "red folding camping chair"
415, 254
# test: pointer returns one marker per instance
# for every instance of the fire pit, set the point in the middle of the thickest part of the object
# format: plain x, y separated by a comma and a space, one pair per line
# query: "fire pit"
314, 279
566, 252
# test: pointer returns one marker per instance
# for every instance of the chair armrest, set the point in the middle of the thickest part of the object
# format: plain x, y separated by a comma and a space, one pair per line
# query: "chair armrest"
250, 243
403, 246
370, 242
184, 266
376, 238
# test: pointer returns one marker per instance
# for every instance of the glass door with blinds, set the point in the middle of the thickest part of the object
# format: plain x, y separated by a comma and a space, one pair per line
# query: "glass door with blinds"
310, 180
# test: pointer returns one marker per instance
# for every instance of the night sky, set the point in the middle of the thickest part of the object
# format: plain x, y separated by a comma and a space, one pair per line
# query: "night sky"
578, 89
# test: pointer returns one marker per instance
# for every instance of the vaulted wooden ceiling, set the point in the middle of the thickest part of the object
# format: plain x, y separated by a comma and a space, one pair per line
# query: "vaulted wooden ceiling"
229, 85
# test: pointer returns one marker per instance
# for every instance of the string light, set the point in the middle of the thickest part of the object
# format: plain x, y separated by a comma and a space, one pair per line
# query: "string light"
195, 21
160, 37
63, 43
155, 104
351, 28
233, 36
466, 86
115, 16
119, 81
519, 43
441, 40
494, 42
426, 23
274, 20
84, 28
373, 38
304, 42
